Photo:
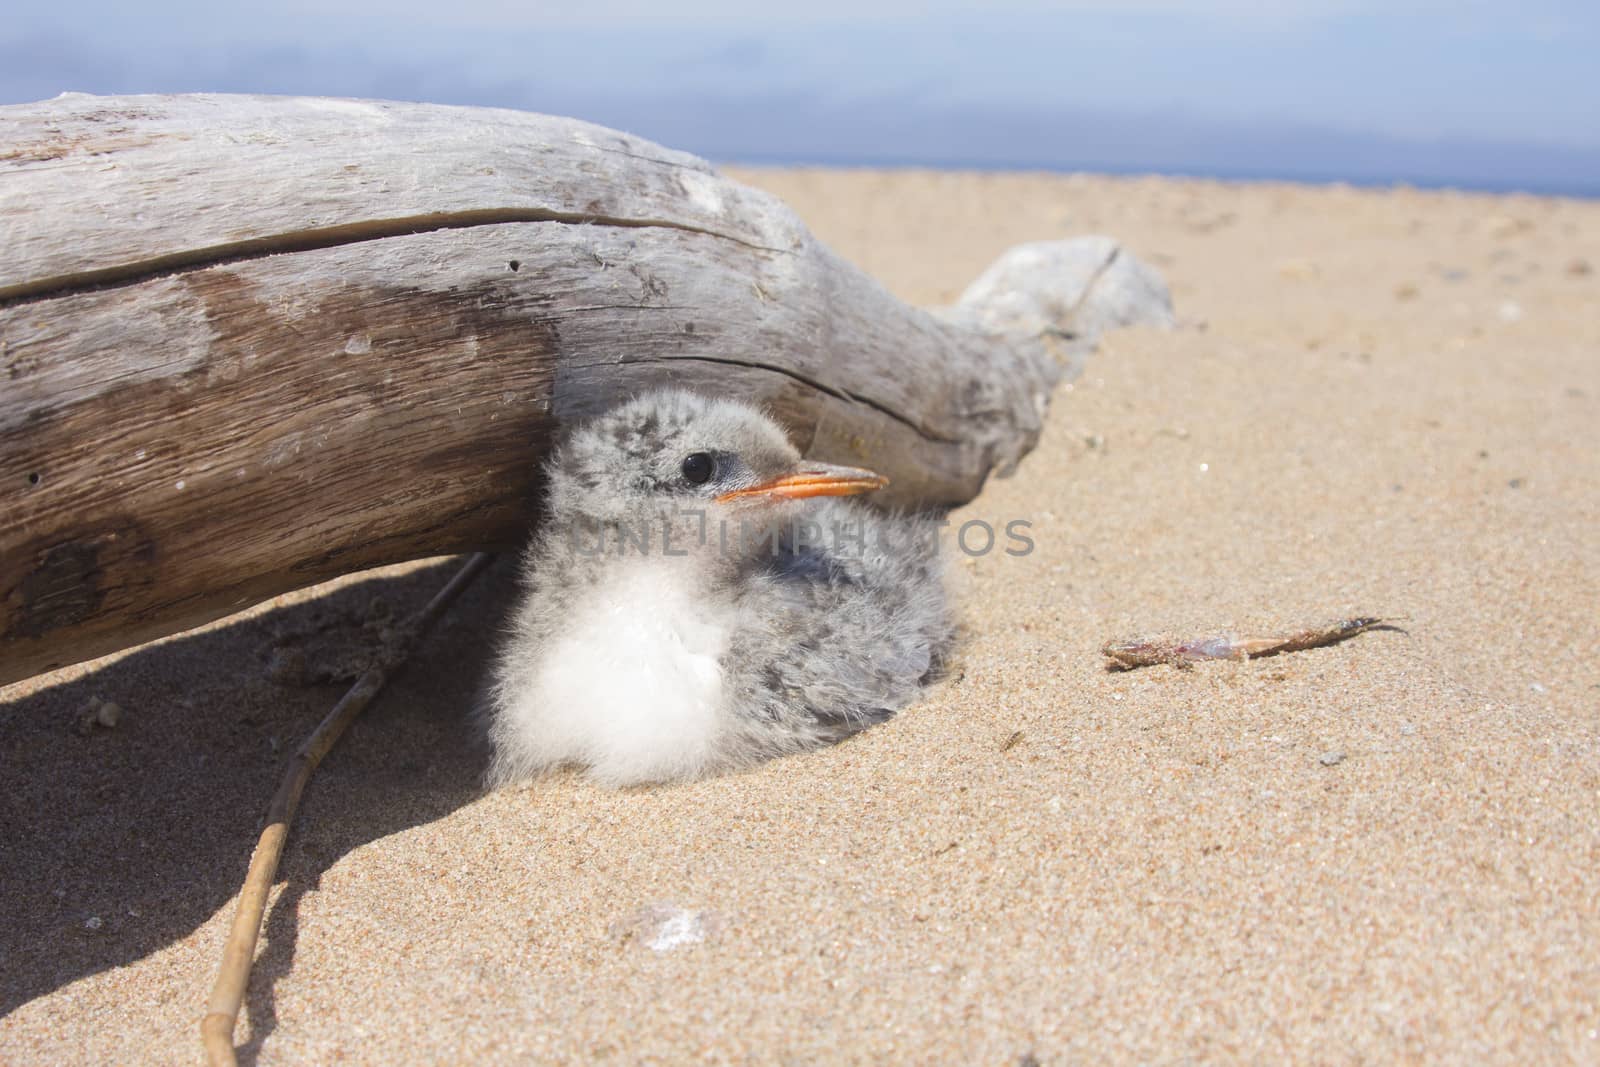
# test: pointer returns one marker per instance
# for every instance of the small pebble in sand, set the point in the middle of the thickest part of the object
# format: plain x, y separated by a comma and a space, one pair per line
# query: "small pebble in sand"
84, 726
1298, 269
1510, 311
1579, 268
1506, 225
287, 666
665, 927
93, 922
95, 712
681, 929
1331, 759
1406, 291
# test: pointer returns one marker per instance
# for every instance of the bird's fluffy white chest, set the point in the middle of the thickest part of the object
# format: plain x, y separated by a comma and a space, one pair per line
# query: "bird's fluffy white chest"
632, 686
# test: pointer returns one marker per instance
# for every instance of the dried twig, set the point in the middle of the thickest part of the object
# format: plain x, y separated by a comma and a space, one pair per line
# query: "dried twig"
1183, 654
227, 996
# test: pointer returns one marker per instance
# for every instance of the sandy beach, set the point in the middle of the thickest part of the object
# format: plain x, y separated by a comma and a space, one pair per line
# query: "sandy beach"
1379, 402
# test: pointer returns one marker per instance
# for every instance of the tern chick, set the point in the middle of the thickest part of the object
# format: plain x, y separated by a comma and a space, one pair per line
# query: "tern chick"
700, 598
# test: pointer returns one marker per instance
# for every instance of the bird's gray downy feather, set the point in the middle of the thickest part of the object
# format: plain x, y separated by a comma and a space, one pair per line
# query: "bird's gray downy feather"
834, 620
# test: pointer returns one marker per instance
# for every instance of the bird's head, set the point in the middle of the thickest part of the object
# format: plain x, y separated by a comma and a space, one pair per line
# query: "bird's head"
676, 448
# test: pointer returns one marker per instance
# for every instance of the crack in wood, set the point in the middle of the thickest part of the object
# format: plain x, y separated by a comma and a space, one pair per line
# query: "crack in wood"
829, 390
1089, 287
193, 259
574, 309
697, 167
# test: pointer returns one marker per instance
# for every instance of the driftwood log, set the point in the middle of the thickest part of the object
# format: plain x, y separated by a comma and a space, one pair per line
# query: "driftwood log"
248, 344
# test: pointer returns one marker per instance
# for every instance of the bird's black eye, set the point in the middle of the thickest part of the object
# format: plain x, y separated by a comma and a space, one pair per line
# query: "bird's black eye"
698, 467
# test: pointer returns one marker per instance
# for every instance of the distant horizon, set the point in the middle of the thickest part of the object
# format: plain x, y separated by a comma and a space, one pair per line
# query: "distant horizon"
1490, 187
1371, 175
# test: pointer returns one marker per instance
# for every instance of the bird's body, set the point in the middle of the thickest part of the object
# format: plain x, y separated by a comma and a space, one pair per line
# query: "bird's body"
698, 601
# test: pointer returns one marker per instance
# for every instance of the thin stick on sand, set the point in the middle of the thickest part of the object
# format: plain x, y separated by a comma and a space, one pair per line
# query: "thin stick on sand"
227, 996
1184, 654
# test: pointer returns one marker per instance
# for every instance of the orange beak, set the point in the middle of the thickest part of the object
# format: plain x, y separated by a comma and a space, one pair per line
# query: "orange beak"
813, 479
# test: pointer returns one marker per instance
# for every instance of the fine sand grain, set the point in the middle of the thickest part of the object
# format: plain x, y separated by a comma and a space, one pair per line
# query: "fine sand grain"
1378, 403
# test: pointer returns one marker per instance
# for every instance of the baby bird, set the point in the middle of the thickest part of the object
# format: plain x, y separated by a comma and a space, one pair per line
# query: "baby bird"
700, 599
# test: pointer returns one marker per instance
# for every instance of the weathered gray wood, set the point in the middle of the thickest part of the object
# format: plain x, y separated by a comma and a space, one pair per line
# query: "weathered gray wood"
247, 344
